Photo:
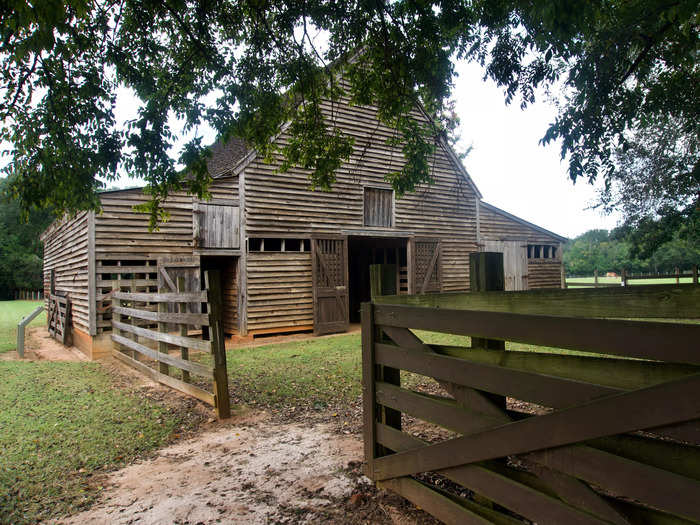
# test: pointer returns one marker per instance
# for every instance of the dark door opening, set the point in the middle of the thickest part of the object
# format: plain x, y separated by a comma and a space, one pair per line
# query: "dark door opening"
366, 251
228, 267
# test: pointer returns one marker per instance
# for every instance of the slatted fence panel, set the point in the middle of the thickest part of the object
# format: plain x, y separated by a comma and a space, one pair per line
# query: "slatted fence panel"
144, 338
608, 434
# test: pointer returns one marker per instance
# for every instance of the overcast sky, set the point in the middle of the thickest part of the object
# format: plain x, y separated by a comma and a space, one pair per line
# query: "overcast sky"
510, 168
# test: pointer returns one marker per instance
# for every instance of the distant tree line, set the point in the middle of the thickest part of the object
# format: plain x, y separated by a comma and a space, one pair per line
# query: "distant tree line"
610, 251
20, 248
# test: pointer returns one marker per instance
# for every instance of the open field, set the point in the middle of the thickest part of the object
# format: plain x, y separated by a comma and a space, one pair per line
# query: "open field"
11, 312
572, 281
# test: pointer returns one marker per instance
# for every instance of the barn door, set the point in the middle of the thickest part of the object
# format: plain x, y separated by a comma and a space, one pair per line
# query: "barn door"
514, 262
329, 257
425, 264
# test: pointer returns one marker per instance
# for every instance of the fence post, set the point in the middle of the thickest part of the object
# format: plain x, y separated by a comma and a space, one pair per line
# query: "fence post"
678, 275
563, 276
486, 275
695, 274
369, 405
595, 278
216, 336
624, 277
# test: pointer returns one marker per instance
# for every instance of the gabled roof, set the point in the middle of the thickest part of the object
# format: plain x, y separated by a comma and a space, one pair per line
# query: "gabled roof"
522, 221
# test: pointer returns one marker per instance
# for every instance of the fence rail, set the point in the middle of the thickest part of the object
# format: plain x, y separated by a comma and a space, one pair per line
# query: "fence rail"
606, 434
143, 336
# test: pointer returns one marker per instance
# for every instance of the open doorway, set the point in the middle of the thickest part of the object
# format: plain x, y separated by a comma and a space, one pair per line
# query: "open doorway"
228, 266
366, 251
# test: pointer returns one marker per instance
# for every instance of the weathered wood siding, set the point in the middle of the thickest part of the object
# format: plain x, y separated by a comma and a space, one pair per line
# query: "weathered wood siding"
282, 204
229, 282
496, 226
66, 252
544, 273
121, 232
279, 291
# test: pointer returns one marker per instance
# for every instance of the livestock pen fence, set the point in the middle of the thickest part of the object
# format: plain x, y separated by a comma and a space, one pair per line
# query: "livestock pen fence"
155, 332
598, 424
626, 278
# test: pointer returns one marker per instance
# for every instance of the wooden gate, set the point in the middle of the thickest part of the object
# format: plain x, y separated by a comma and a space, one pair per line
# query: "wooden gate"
170, 269
425, 265
59, 317
143, 338
329, 257
610, 435
514, 262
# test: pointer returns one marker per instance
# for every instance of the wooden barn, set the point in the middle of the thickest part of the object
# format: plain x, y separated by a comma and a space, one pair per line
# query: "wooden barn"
294, 259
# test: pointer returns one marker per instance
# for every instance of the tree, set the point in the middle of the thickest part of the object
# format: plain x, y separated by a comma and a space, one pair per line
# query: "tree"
20, 249
617, 68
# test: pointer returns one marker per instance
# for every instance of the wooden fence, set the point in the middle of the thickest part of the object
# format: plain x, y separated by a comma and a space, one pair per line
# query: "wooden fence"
142, 330
29, 295
625, 278
607, 432
58, 318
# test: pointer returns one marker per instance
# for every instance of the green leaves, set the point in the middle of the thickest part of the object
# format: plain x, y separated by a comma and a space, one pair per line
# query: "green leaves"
249, 68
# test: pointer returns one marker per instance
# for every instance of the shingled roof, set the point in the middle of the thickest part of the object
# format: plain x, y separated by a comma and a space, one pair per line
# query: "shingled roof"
225, 155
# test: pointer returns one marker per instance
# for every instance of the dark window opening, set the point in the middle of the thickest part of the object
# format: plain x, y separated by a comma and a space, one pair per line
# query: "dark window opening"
273, 244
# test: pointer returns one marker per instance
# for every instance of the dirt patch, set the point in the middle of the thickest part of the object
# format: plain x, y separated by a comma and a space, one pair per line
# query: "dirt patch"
40, 346
250, 471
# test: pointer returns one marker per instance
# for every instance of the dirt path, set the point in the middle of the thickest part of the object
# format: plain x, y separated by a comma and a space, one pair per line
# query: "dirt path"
250, 471
40, 346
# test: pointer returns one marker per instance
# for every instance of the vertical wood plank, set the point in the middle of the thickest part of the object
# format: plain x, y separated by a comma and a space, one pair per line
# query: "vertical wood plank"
216, 334
92, 285
369, 405
164, 368
182, 308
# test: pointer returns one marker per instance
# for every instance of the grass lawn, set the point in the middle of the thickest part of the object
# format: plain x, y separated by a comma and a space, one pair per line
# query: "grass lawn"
11, 312
60, 423
572, 281
317, 373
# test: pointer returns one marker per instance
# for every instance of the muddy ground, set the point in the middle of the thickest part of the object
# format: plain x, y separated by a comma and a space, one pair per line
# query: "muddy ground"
257, 467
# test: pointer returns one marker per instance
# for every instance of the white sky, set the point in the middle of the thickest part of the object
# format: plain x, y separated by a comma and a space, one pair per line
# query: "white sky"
509, 166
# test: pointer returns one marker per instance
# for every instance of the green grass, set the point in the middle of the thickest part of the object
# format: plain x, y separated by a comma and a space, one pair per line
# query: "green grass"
59, 424
572, 281
317, 373
11, 312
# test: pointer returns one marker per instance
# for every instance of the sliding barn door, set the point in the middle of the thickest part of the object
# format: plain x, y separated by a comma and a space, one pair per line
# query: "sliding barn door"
329, 257
425, 265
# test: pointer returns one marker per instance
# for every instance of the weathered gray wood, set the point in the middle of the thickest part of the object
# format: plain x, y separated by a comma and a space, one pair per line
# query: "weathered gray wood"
671, 342
171, 297
178, 340
369, 406
610, 415
653, 486
184, 349
497, 487
91, 270
644, 301
175, 318
439, 506
530, 386
21, 326
172, 382
164, 358
216, 334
